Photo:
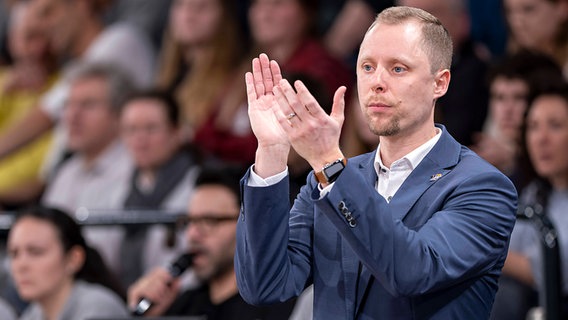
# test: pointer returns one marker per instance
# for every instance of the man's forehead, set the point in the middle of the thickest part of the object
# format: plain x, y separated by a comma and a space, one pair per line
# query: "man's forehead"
397, 33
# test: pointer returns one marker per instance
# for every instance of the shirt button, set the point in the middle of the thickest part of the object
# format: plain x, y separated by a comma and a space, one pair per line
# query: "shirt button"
389, 198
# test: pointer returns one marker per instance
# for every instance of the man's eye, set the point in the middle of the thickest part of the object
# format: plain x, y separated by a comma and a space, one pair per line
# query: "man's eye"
367, 67
398, 69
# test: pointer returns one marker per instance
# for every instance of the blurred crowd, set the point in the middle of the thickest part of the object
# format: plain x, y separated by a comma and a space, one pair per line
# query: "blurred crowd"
113, 106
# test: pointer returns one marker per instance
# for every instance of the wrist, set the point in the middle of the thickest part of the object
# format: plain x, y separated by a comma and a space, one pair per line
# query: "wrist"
271, 160
325, 159
330, 171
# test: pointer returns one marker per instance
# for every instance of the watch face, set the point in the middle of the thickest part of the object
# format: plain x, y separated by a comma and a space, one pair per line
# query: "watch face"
334, 169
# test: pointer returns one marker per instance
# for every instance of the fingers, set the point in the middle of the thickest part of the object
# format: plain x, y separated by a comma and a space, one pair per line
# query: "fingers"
276, 73
267, 78
251, 90
338, 107
264, 76
288, 100
284, 112
302, 103
152, 286
306, 99
257, 77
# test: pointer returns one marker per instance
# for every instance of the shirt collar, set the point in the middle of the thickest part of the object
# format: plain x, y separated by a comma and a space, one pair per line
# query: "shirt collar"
106, 159
413, 158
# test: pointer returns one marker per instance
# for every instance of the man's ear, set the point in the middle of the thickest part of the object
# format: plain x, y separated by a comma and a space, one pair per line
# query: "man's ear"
441, 82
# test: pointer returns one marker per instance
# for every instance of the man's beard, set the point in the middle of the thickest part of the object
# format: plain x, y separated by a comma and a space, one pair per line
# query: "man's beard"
220, 269
392, 128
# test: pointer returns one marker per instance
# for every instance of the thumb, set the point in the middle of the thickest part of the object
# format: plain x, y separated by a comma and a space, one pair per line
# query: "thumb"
338, 108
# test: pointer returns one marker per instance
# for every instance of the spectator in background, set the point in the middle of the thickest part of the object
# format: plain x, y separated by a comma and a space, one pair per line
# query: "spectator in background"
464, 107
287, 32
150, 16
511, 81
212, 219
32, 72
76, 33
4, 18
57, 272
545, 134
540, 25
199, 60
97, 174
488, 25
348, 27
162, 180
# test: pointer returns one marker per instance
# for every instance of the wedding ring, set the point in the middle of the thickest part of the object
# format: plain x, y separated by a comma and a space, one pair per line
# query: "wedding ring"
291, 115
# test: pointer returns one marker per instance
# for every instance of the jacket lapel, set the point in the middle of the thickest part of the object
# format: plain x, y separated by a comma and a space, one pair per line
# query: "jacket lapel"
421, 178
438, 162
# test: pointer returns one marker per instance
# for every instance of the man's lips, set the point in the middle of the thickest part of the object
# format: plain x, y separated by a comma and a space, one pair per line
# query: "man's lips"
377, 107
24, 283
198, 255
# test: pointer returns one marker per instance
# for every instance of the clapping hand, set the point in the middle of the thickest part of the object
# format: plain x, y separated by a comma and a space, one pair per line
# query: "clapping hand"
282, 116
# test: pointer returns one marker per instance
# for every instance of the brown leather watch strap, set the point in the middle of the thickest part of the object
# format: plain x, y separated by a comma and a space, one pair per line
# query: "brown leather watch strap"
320, 175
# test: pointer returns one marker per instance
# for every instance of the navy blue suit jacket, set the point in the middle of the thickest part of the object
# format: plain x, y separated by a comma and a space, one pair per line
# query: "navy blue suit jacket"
434, 252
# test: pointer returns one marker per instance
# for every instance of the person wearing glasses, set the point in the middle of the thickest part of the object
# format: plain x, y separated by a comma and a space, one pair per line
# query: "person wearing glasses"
212, 216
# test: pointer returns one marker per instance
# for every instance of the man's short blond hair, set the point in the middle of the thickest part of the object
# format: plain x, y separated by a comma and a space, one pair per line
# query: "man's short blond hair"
436, 40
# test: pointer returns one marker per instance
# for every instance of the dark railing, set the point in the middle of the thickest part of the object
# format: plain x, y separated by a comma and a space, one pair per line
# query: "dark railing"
551, 297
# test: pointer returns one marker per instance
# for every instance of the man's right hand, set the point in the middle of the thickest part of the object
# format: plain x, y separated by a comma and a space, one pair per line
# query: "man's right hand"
273, 145
157, 286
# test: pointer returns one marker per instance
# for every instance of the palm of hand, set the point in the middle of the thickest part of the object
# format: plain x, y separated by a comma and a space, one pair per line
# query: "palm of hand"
262, 114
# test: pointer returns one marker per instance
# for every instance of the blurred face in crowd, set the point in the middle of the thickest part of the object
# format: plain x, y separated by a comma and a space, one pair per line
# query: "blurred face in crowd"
396, 86
149, 135
211, 233
547, 138
194, 21
277, 21
91, 122
39, 265
27, 39
63, 20
535, 23
507, 103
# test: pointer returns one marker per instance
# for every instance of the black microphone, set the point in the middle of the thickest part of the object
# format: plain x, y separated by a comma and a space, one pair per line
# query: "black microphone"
175, 269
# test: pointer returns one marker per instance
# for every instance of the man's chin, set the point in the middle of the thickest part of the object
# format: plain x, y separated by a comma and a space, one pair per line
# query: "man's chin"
384, 131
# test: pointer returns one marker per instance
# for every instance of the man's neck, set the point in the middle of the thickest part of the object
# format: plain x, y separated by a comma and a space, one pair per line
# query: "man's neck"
223, 287
91, 156
396, 147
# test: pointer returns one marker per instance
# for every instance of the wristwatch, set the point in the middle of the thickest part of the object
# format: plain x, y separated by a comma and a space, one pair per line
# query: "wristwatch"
331, 171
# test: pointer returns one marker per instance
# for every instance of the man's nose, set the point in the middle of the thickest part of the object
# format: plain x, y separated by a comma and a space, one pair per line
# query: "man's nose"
192, 233
18, 264
379, 84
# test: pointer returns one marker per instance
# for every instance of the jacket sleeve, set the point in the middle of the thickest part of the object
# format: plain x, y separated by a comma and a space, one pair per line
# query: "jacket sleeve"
274, 248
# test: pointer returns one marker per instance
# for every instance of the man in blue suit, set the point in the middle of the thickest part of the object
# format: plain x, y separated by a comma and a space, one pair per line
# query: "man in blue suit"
418, 229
